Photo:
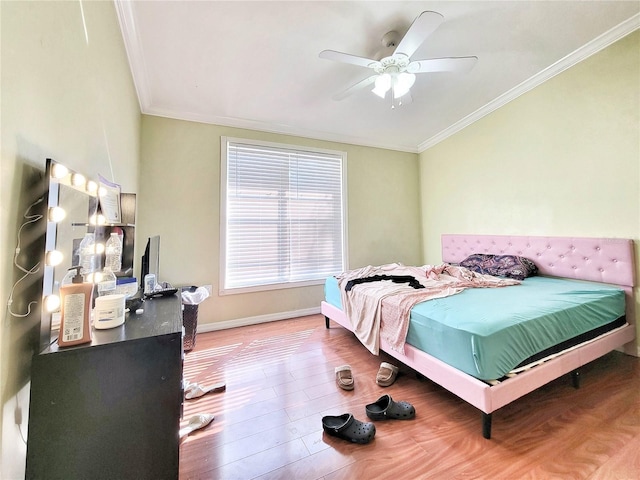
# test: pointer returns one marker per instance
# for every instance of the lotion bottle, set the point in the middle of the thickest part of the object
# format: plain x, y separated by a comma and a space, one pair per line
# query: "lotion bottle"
75, 312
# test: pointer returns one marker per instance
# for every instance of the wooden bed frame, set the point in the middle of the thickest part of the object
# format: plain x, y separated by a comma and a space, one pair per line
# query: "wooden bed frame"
595, 259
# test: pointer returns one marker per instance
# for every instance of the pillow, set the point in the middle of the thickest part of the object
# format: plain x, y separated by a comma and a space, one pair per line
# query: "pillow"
510, 266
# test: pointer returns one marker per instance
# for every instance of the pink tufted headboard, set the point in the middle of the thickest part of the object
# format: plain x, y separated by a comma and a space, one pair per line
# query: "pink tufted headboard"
607, 260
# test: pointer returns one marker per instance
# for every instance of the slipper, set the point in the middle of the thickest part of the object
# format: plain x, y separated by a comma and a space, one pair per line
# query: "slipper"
195, 423
194, 390
385, 408
349, 428
344, 379
386, 374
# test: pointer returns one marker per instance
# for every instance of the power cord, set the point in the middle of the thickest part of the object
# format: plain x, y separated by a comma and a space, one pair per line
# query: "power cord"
17, 413
30, 218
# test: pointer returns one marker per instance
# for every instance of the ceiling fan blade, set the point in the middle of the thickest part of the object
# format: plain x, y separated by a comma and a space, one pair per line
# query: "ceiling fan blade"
420, 29
449, 64
348, 58
354, 88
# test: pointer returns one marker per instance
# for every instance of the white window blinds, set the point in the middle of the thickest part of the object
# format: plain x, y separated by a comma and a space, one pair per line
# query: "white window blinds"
283, 211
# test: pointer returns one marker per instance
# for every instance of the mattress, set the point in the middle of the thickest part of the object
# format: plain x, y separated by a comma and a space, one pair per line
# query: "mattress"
487, 332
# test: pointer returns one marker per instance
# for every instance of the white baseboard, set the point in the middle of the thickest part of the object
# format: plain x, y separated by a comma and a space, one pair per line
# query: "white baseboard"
630, 349
243, 322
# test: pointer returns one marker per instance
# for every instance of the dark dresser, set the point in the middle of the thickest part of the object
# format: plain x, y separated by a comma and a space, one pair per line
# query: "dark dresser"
110, 409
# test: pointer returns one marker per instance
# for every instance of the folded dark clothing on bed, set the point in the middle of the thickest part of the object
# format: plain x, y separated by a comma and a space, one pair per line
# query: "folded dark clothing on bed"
412, 281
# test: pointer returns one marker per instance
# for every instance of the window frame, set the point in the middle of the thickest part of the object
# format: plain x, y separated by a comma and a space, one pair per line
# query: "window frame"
224, 144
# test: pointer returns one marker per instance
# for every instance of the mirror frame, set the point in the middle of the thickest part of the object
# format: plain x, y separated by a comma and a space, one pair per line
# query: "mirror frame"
56, 184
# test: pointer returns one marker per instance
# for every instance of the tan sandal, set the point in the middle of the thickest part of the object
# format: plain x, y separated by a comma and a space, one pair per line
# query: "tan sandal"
344, 379
195, 423
194, 390
386, 374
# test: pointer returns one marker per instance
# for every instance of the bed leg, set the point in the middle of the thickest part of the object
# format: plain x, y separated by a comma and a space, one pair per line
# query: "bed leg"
575, 379
326, 322
486, 425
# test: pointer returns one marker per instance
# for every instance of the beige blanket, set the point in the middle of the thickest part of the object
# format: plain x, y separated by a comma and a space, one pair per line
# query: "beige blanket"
381, 308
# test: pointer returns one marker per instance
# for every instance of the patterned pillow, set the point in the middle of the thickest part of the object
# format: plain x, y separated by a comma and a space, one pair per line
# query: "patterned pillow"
510, 266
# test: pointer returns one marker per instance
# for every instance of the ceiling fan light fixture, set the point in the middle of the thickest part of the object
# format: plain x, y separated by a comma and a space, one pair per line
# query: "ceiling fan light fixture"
383, 85
402, 84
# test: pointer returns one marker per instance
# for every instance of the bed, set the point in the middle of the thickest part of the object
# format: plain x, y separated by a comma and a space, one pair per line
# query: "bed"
605, 261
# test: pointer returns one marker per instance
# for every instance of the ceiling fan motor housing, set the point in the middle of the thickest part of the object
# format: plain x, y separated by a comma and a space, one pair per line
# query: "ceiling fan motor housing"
396, 63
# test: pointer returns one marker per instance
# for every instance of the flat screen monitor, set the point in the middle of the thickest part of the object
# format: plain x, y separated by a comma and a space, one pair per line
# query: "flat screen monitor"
151, 259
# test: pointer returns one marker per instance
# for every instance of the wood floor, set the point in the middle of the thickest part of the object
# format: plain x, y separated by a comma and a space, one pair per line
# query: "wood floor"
280, 382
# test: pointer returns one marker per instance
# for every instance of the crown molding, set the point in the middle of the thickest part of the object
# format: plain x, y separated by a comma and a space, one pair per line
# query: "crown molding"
599, 43
126, 18
276, 128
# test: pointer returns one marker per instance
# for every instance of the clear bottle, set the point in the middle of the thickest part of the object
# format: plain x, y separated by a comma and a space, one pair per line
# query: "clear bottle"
107, 283
113, 253
87, 253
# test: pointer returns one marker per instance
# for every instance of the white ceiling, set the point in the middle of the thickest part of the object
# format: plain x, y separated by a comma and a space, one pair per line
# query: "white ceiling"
255, 64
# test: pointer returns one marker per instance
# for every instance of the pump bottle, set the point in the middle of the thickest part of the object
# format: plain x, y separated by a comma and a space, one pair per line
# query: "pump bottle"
75, 312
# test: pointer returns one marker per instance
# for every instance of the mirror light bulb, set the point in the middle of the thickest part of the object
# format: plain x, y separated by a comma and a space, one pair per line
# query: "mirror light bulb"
97, 219
78, 180
59, 171
52, 303
92, 187
57, 214
54, 257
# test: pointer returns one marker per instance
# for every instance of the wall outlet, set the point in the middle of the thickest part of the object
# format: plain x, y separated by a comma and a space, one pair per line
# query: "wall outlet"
209, 289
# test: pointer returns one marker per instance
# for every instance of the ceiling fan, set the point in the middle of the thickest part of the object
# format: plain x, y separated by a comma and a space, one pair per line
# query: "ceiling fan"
396, 73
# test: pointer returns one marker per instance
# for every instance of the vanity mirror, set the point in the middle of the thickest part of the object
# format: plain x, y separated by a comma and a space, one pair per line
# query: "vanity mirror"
73, 211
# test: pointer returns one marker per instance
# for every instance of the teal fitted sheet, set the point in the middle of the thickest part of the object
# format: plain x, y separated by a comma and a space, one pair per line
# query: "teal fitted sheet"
486, 332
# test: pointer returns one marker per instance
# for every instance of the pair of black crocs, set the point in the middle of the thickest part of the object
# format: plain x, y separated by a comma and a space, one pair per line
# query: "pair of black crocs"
349, 428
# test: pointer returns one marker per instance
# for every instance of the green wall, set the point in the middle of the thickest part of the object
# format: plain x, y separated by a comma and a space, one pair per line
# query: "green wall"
66, 94
561, 160
180, 201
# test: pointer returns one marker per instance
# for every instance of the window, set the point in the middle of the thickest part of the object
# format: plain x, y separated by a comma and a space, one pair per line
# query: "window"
283, 215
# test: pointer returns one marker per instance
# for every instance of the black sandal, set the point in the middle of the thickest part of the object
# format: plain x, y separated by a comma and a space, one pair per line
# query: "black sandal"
349, 428
385, 408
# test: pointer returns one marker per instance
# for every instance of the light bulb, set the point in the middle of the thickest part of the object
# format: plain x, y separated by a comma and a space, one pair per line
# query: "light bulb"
59, 171
97, 219
383, 84
57, 214
78, 180
52, 303
54, 257
402, 83
92, 187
